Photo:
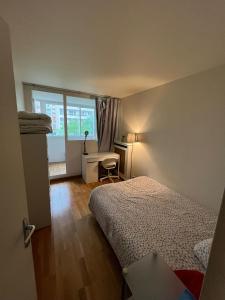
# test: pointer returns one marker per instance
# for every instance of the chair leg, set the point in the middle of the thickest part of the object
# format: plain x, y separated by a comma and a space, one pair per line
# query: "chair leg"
103, 178
115, 176
106, 177
110, 177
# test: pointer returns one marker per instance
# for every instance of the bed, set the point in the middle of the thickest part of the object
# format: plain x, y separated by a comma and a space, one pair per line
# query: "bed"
140, 215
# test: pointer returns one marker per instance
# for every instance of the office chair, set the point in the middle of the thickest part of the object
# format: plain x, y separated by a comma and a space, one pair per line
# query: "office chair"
110, 164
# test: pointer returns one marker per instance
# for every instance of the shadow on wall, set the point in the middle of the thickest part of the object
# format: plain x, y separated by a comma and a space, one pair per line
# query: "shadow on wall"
156, 155
138, 124
141, 117
145, 159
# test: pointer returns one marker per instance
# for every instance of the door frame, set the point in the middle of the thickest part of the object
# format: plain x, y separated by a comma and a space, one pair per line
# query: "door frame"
36, 88
29, 106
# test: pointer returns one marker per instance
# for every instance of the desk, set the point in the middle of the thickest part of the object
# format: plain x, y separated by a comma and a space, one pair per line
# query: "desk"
90, 164
150, 278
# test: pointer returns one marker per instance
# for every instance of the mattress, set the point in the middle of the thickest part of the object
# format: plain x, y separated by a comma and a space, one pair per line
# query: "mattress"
140, 215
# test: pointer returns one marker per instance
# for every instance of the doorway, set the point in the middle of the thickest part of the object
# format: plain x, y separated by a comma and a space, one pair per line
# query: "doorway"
52, 104
71, 116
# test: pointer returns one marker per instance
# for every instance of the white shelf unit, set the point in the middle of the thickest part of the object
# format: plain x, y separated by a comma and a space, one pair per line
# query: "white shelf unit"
35, 162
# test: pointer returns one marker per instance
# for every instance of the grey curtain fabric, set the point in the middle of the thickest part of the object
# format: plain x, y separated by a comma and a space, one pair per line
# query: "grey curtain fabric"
106, 113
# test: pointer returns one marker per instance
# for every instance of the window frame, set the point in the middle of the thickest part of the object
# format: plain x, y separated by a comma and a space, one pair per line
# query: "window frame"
81, 137
29, 105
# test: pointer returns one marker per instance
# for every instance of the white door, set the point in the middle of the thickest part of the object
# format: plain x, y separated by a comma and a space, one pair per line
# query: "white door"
16, 262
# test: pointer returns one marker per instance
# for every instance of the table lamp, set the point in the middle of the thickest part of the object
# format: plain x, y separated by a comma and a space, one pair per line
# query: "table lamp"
85, 138
132, 138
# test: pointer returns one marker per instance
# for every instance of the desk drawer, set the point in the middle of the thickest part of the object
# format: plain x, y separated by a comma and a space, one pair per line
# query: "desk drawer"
92, 172
91, 160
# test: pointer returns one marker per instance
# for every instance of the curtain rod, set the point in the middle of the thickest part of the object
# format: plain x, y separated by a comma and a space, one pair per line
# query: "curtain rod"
46, 87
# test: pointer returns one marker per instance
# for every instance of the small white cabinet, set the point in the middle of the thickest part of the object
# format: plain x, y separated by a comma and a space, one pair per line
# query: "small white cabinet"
125, 150
35, 162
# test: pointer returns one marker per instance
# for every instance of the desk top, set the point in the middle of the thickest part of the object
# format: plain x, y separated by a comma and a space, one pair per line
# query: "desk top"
100, 156
151, 279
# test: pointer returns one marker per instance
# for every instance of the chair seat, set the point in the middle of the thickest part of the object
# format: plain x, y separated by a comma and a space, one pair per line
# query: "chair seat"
110, 164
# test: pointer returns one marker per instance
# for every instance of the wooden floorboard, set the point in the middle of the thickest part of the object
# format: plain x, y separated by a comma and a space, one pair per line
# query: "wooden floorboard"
72, 258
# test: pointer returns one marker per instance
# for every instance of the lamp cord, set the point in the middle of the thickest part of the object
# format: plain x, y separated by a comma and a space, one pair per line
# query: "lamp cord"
131, 161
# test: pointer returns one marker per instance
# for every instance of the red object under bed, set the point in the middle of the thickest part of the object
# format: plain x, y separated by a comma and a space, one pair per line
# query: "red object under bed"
192, 279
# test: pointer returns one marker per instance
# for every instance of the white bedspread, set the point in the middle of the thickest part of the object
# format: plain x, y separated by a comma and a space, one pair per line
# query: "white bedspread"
141, 215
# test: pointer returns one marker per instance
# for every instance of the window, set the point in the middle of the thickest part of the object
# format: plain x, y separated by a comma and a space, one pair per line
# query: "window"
80, 112
81, 117
50, 104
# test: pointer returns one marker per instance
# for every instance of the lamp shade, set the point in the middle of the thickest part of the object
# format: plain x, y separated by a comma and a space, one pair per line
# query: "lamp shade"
131, 137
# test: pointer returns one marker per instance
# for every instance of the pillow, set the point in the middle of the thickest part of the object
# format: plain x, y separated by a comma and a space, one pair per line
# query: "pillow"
202, 251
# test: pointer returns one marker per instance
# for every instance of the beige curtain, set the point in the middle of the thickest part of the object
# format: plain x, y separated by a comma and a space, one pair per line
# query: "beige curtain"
106, 113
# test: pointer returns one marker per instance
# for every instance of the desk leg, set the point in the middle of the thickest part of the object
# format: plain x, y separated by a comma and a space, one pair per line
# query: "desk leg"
123, 289
125, 293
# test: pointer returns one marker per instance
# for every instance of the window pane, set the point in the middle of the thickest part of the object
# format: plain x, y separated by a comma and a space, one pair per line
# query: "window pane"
87, 121
50, 104
55, 111
80, 117
37, 106
73, 121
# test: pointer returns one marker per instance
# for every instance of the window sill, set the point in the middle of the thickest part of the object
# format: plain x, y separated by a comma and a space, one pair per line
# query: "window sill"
82, 140
71, 138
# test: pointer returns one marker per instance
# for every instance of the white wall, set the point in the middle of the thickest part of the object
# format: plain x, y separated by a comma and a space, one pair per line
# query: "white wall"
74, 155
184, 134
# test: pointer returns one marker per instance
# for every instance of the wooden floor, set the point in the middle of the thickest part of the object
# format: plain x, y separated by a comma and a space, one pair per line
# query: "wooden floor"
72, 259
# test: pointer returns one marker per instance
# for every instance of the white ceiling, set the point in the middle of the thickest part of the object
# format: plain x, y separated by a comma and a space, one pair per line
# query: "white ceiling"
114, 47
